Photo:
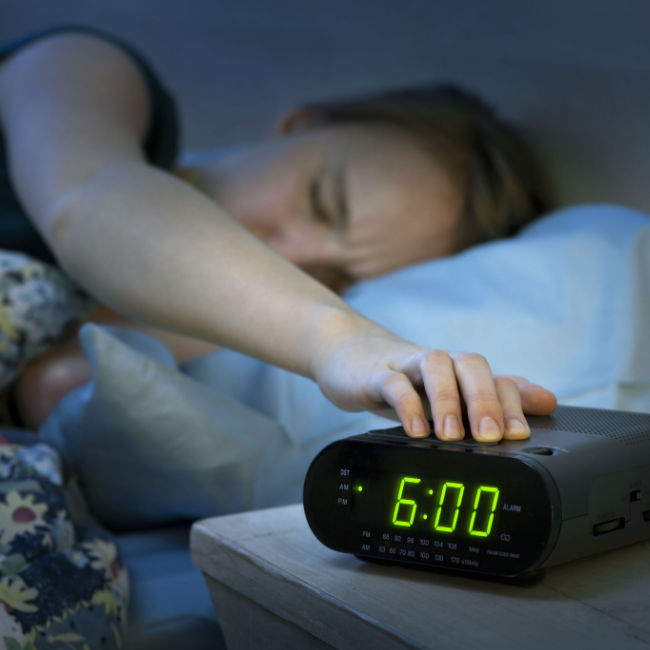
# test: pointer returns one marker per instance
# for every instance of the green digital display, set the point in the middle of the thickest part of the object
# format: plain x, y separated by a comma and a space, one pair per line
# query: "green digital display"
450, 507
470, 508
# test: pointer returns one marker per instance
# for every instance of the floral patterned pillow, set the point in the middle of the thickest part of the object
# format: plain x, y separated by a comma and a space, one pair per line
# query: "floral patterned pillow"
61, 581
37, 302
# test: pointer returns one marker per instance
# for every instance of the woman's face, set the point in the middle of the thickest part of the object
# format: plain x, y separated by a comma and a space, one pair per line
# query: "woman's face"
342, 202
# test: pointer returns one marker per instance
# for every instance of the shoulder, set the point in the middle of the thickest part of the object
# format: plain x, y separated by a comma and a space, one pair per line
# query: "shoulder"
77, 52
72, 73
70, 104
79, 38
93, 69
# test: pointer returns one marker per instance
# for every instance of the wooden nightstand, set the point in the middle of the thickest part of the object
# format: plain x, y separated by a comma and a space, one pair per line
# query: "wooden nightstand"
274, 585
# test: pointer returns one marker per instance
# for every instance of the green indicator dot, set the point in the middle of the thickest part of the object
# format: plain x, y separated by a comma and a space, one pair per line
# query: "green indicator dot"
424, 516
359, 488
430, 491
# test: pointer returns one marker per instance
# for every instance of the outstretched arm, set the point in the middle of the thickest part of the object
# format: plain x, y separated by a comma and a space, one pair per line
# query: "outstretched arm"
74, 109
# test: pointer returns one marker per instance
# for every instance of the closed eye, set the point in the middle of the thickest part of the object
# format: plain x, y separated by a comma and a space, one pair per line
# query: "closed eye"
316, 200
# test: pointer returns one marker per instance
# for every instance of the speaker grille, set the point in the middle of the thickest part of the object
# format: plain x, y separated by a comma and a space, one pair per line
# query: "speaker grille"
628, 428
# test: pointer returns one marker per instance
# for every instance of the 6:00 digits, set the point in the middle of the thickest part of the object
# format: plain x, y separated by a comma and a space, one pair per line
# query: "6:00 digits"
446, 513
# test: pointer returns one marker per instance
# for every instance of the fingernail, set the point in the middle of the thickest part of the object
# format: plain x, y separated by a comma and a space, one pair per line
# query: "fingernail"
489, 430
517, 429
419, 428
452, 428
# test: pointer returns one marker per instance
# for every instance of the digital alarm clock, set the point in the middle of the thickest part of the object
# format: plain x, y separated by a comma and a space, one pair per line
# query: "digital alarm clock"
579, 485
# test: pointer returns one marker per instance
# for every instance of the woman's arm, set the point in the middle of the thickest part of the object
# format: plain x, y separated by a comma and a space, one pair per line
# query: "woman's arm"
74, 110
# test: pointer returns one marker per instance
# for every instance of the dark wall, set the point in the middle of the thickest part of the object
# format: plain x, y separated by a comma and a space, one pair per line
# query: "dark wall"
574, 72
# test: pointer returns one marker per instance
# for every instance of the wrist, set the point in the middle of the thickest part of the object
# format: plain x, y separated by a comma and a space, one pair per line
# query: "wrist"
339, 326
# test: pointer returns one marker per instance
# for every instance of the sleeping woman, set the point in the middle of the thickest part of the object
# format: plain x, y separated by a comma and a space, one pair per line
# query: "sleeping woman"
251, 249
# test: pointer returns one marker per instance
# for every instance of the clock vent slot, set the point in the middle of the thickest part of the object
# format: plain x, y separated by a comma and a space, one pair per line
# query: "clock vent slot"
628, 428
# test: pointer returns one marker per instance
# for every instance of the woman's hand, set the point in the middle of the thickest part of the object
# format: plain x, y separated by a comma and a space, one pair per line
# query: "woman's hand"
375, 370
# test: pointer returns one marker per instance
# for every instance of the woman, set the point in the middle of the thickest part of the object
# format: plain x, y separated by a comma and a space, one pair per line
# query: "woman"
85, 121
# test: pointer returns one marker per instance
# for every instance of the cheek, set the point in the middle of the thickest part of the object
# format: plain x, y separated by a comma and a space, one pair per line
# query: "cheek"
266, 206
263, 190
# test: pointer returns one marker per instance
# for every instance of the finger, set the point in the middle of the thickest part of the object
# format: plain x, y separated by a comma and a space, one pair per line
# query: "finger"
396, 389
434, 369
535, 400
516, 427
479, 391
439, 378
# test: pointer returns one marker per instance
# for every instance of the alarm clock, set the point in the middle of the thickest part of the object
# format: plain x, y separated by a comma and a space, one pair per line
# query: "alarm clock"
579, 485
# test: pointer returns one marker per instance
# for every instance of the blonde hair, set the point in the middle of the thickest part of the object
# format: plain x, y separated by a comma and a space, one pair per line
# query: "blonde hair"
502, 182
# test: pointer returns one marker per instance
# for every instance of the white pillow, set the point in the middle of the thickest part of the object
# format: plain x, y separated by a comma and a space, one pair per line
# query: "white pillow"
566, 304
152, 445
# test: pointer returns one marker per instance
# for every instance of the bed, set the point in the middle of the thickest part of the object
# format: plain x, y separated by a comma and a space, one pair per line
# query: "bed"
566, 303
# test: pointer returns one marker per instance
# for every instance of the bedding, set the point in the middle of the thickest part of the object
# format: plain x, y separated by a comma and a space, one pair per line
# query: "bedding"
566, 303
37, 303
62, 581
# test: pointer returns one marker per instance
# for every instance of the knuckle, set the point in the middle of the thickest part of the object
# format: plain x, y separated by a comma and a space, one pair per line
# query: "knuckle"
434, 358
474, 359
445, 395
393, 379
397, 385
512, 410
470, 360
505, 383
483, 400
511, 407
508, 394
514, 378
510, 398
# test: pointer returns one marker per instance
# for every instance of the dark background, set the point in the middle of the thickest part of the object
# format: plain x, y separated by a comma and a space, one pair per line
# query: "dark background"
575, 73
